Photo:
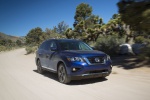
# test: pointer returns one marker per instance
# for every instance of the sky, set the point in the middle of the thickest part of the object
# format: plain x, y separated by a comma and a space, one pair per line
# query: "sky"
18, 17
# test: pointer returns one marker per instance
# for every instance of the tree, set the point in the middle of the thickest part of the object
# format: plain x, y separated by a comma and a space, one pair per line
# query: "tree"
18, 42
51, 33
35, 36
86, 26
61, 28
83, 11
116, 26
136, 13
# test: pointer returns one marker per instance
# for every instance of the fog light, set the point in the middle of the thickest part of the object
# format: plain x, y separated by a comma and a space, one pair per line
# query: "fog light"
75, 69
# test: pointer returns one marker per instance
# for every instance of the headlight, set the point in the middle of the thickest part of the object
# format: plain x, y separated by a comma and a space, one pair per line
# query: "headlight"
73, 59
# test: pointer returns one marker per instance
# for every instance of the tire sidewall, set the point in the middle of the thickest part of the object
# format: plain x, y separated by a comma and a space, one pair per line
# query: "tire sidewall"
39, 68
67, 79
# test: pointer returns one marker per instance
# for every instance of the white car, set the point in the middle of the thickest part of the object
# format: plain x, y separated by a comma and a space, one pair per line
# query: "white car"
125, 49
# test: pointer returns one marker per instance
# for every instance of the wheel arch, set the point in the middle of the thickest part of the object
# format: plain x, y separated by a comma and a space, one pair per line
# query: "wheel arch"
67, 79
60, 62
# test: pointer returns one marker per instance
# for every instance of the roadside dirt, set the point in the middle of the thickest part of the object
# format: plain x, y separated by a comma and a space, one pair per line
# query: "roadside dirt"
19, 80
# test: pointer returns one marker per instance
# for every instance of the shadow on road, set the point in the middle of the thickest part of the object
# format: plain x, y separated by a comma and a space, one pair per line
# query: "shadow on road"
129, 62
49, 75
73, 82
87, 81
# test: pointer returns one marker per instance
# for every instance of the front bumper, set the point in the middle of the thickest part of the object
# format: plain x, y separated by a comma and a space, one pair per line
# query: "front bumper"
90, 75
85, 70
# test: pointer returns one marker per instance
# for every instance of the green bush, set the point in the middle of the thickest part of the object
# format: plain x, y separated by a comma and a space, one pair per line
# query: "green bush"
109, 44
2, 48
31, 49
6, 48
145, 53
140, 39
91, 44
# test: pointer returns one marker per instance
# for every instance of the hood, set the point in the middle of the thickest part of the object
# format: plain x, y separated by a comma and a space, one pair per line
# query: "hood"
82, 53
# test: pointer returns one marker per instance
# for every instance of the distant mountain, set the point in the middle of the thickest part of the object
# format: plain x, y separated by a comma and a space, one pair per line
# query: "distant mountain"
4, 36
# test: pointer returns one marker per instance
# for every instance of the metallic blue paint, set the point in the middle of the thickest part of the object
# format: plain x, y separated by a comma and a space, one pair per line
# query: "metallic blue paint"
50, 59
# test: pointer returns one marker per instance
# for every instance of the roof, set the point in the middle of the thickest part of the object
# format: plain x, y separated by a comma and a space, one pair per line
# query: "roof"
65, 39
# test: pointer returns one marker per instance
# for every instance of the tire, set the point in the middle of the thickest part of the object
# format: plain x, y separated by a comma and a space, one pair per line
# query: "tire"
62, 74
39, 68
103, 77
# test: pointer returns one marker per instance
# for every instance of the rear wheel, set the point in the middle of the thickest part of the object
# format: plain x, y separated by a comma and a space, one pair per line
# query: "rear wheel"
39, 68
62, 74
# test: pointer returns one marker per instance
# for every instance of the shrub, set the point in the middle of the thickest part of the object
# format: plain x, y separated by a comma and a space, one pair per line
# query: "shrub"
145, 53
140, 39
2, 48
109, 44
31, 49
91, 44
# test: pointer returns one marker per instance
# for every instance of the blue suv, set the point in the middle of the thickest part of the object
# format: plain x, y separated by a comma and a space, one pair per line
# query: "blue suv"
72, 60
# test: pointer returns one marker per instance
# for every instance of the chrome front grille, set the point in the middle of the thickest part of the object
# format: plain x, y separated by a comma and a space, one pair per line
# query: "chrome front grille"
96, 60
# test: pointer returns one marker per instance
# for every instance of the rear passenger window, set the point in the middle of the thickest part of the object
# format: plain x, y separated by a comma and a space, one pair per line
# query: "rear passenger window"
47, 46
42, 46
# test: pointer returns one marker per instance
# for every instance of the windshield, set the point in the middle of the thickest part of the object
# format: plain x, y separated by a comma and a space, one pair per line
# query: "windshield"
73, 45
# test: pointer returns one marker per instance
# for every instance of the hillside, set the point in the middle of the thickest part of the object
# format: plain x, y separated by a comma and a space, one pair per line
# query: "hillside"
4, 36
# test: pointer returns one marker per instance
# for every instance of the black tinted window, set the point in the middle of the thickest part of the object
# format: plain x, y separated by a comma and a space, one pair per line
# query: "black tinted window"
45, 45
53, 45
49, 45
42, 46
74, 45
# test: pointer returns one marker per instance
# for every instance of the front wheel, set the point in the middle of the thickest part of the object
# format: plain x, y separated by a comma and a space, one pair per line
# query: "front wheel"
39, 68
62, 74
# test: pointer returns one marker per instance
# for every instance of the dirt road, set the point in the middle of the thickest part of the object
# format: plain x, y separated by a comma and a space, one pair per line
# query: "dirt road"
20, 81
